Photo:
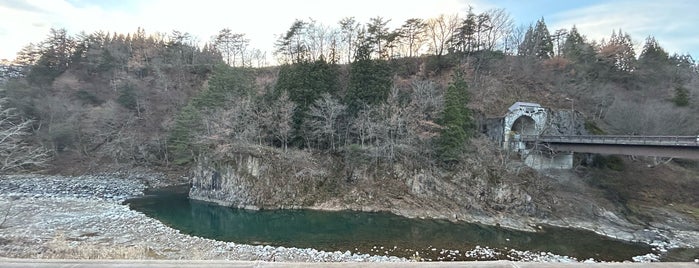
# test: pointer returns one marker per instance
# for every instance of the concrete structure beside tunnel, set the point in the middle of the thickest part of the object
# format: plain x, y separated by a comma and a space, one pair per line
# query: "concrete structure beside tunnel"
531, 119
523, 118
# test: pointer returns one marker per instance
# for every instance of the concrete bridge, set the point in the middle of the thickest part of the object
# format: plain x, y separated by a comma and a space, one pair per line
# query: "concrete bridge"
661, 146
530, 130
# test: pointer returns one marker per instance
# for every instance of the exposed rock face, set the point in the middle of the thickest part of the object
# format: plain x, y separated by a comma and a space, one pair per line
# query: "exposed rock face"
565, 122
257, 178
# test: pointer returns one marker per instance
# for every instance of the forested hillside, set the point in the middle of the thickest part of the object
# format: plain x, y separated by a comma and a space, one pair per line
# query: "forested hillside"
415, 94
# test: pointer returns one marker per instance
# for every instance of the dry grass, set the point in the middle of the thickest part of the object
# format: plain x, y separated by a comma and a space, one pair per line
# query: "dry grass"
61, 247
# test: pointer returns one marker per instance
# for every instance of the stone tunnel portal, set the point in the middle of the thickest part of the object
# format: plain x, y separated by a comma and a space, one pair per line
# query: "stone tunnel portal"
524, 125
526, 118
523, 118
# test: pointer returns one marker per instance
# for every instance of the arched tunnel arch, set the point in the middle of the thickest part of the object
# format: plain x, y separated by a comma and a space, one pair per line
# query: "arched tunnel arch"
524, 125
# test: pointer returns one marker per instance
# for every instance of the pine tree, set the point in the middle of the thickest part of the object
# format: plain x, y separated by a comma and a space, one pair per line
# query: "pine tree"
456, 121
55, 55
681, 98
305, 82
619, 52
653, 54
526, 48
127, 97
573, 48
543, 47
180, 141
370, 81
225, 82
537, 42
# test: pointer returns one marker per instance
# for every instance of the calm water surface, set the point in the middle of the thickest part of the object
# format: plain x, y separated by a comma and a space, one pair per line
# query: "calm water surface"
362, 232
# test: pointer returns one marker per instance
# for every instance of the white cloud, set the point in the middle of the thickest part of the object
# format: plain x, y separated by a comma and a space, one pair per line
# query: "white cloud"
672, 23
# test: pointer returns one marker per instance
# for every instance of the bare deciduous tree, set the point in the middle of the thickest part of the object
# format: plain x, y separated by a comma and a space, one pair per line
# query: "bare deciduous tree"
650, 118
324, 114
349, 28
281, 123
15, 152
412, 36
233, 46
440, 30
501, 25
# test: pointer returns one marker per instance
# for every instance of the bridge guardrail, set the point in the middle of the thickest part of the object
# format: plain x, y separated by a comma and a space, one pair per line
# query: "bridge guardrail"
617, 139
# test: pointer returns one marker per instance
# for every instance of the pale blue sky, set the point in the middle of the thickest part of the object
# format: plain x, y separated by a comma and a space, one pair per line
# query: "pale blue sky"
673, 23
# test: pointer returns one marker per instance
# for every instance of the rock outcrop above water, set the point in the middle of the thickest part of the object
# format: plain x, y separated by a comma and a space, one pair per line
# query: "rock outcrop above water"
262, 177
484, 189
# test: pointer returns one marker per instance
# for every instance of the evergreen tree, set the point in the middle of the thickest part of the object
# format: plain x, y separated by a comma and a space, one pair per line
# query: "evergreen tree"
180, 141
653, 54
305, 82
379, 35
127, 97
537, 42
464, 40
574, 46
683, 67
55, 55
412, 34
291, 46
681, 98
619, 52
456, 121
225, 82
580, 52
654, 69
526, 48
543, 48
370, 80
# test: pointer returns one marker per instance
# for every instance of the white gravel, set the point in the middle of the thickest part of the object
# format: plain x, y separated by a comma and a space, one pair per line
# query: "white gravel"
50, 216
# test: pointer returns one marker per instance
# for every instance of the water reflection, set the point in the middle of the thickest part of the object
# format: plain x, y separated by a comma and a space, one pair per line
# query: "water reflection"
348, 230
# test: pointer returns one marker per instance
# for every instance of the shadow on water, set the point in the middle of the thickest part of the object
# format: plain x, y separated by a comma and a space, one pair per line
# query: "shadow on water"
375, 233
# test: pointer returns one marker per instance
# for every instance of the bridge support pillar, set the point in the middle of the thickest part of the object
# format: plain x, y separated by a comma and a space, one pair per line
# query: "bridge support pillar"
538, 160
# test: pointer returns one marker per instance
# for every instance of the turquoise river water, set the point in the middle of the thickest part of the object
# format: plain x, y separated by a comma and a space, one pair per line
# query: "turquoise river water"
373, 233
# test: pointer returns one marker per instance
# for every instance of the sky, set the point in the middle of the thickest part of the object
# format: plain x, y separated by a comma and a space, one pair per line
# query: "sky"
674, 23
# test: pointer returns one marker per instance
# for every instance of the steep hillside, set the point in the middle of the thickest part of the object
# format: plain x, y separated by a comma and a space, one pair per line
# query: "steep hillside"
108, 99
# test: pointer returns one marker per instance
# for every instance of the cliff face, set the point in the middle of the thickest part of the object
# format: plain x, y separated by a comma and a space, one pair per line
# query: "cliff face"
256, 178
264, 177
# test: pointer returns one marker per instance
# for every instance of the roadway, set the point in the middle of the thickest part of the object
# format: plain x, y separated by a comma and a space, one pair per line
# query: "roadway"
662, 146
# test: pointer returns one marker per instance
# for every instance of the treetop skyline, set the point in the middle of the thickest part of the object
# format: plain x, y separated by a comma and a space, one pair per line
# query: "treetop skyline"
263, 22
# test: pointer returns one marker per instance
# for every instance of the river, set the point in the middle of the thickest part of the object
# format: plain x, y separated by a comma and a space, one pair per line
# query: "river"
376, 233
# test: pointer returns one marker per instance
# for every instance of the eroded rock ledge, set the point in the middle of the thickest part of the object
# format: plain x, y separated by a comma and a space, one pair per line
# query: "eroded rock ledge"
514, 197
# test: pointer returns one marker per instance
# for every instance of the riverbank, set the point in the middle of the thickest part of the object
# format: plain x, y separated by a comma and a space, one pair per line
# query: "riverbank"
83, 217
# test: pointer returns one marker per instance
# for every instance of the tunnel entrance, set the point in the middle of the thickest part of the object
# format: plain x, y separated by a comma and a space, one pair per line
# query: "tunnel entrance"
524, 125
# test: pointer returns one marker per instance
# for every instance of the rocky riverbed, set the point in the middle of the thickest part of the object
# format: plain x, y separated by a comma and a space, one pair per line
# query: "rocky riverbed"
83, 217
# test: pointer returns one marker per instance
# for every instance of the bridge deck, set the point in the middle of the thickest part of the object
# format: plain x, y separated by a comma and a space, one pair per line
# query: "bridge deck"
663, 146
618, 139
